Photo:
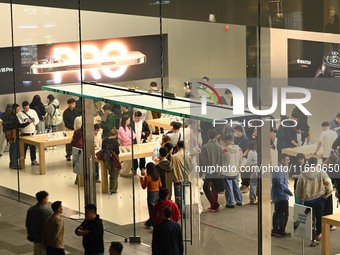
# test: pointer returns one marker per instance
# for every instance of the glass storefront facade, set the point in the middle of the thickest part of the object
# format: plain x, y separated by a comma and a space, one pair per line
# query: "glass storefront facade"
106, 52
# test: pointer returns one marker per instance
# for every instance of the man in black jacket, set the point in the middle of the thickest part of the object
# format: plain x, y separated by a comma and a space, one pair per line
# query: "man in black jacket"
69, 116
92, 231
167, 236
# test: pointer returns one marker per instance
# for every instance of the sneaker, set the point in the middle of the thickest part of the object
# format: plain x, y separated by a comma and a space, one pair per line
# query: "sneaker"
147, 226
239, 204
242, 188
333, 228
314, 243
286, 234
276, 234
35, 163
68, 158
253, 202
230, 206
211, 209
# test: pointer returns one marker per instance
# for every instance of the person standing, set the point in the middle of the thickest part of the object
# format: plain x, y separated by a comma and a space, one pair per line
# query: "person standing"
92, 231
242, 140
38, 106
142, 131
126, 136
327, 138
312, 189
153, 183
163, 202
11, 126
36, 218
212, 156
69, 116
165, 169
111, 121
110, 146
232, 156
280, 197
181, 163
167, 236
335, 124
29, 115
52, 105
54, 231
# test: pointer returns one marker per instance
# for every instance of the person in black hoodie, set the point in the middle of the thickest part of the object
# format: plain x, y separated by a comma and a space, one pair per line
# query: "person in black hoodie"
165, 169
12, 124
92, 231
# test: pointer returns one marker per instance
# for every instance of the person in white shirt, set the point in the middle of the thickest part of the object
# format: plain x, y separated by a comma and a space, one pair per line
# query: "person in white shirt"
327, 138
142, 131
175, 134
29, 115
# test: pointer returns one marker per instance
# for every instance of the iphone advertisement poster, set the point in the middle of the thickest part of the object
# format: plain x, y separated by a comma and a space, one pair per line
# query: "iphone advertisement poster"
106, 60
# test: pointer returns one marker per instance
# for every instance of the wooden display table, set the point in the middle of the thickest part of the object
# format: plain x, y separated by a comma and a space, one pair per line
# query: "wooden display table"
140, 151
326, 222
163, 122
307, 150
42, 141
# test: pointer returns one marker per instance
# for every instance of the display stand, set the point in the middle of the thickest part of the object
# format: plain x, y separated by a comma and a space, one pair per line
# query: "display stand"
303, 223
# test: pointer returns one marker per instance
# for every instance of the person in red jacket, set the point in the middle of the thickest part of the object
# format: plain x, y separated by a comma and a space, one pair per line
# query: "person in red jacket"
163, 202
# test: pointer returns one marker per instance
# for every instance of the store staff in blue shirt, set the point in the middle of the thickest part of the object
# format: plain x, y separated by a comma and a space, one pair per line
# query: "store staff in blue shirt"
280, 197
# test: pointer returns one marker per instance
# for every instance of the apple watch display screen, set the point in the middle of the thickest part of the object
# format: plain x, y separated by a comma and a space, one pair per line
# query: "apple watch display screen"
333, 58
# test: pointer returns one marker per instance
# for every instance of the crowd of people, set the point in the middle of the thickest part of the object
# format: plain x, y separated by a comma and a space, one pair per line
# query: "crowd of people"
45, 228
182, 149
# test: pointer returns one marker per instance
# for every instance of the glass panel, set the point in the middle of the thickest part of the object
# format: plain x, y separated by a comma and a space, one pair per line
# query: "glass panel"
126, 51
38, 37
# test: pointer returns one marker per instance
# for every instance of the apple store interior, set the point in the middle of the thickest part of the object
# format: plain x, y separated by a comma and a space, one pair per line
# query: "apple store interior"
196, 66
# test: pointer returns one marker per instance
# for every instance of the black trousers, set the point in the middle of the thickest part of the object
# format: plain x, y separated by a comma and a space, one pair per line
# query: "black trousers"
54, 251
317, 213
141, 164
280, 216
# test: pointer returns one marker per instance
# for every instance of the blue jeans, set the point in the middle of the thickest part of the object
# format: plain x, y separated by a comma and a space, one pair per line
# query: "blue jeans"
232, 191
152, 198
178, 194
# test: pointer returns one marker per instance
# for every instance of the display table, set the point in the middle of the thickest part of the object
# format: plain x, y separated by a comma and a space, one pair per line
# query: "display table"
307, 150
163, 122
326, 222
42, 141
140, 151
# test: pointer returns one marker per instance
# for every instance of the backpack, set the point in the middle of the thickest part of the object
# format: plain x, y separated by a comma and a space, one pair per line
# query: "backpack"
57, 117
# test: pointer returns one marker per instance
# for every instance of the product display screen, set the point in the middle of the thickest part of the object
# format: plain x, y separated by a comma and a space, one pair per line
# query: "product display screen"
314, 65
106, 61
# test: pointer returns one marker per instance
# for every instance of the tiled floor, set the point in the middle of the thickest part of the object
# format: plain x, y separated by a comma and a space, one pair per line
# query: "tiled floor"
13, 234
233, 231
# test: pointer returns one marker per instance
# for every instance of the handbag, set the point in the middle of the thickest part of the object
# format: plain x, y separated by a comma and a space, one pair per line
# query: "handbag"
11, 135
